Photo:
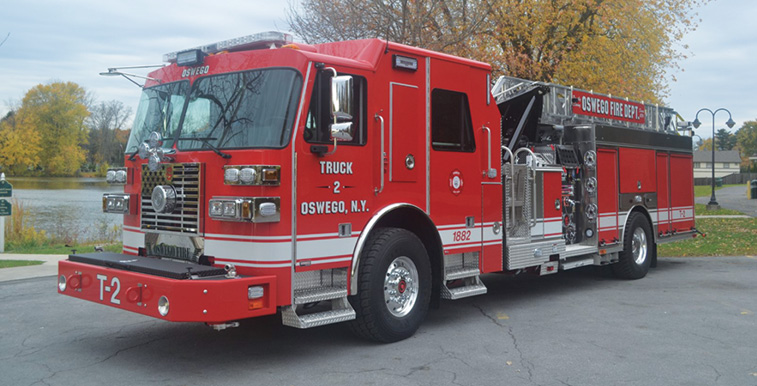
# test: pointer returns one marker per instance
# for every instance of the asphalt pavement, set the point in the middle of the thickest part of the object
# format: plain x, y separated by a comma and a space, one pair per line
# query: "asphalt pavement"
691, 321
734, 198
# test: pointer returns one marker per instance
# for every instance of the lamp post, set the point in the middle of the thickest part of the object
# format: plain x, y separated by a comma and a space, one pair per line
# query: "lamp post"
713, 204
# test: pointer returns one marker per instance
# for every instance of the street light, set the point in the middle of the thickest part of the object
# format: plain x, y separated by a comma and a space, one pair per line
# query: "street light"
713, 204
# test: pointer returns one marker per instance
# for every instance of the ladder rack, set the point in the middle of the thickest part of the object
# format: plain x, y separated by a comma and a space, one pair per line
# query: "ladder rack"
564, 105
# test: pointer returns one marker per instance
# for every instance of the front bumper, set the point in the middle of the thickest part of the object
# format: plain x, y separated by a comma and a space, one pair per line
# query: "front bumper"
194, 293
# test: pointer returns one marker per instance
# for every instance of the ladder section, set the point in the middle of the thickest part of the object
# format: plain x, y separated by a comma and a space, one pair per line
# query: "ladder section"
320, 298
564, 105
461, 276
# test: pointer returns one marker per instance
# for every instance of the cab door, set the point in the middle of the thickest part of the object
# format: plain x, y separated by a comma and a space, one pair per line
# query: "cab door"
456, 175
334, 187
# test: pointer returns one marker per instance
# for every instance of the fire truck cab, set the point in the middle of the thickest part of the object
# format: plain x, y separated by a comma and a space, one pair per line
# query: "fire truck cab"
365, 180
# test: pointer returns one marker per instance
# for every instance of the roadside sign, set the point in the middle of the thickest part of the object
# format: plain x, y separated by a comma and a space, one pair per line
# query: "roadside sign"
5, 207
6, 189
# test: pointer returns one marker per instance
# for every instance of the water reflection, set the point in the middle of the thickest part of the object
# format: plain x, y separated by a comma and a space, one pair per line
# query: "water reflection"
67, 207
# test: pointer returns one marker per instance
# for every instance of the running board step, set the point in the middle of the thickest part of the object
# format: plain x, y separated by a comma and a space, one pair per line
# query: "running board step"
576, 263
341, 311
313, 295
472, 286
461, 273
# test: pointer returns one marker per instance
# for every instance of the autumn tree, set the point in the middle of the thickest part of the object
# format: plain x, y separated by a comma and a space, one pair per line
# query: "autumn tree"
54, 114
107, 133
611, 46
20, 143
441, 25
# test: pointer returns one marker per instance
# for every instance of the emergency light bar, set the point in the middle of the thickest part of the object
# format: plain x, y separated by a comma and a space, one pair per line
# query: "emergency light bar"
270, 39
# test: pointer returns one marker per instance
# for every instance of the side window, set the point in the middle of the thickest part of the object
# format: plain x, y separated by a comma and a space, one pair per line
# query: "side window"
317, 128
451, 128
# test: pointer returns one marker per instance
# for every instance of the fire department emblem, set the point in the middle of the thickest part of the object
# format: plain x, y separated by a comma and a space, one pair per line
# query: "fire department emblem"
456, 182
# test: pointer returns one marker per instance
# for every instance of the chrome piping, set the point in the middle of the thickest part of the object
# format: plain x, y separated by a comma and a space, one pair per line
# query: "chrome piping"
383, 154
294, 181
512, 183
532, 177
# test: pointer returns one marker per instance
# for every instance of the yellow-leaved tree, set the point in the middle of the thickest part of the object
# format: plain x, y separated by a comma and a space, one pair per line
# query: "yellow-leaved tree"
53, 116
621, 47
19, 141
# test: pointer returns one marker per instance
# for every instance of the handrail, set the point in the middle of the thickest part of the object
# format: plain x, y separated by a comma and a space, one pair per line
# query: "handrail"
532, 177
490, 172
512, 186
383, 154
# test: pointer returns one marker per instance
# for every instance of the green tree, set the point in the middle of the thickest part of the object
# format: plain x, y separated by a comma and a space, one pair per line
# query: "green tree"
56, 112
724, 140
746, 138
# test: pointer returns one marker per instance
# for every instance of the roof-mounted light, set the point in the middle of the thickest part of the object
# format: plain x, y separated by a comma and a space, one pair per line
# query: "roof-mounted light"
262, 40
190, 58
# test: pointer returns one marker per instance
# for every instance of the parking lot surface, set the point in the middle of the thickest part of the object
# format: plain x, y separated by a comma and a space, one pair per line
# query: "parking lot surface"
691, 321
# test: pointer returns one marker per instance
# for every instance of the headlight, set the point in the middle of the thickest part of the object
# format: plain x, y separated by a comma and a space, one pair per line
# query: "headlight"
116, 203
231, 176
163, 306
116, 176
255, 209
247, 176
62, 283
265, 175
121, 176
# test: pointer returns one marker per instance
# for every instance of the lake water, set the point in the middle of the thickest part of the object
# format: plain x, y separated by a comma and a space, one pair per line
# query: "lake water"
67, 207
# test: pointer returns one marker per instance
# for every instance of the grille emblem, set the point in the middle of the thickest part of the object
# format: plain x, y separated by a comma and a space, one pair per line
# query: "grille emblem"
163, 198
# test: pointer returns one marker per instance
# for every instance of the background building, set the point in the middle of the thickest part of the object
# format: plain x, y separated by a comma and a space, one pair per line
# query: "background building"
726, 163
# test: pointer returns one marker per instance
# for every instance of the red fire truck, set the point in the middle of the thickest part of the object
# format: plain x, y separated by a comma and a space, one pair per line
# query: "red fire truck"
364, 181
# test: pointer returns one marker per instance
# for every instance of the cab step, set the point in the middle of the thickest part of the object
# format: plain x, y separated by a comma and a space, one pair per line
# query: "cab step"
461, 267
472, 286
319, 298
313, 295
340, 311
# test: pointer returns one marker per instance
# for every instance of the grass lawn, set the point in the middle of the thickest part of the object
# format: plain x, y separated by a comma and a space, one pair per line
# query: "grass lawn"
60, 249
725, 237
706, 190
701, 210
18, 263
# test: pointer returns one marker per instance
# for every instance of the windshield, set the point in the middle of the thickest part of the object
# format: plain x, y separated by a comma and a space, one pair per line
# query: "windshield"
252, 109
159, 110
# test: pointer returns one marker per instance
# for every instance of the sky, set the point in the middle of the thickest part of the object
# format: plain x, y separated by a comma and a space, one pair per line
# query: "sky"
75, 40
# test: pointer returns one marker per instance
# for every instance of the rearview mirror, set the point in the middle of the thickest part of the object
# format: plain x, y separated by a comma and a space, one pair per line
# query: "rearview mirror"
341, 108
341, 98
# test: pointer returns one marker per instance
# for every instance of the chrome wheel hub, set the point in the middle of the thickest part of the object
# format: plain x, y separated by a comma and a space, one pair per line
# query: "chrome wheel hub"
401, 286
639, 246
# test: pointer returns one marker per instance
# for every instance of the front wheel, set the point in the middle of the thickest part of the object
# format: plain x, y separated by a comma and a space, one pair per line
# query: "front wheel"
638, 248
394, 286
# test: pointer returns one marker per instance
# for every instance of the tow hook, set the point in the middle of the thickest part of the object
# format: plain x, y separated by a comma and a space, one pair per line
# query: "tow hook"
223, 326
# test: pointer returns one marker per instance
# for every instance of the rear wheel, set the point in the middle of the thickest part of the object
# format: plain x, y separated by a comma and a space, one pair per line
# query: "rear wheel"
638, 248
394, 286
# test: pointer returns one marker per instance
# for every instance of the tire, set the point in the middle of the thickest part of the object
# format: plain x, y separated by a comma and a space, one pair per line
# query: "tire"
394, 287
638, 249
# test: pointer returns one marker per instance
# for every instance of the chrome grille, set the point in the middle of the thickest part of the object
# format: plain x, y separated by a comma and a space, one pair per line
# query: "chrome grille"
185, 179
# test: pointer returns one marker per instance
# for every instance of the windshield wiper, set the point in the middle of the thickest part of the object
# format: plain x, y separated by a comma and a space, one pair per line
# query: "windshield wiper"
206, 141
